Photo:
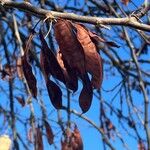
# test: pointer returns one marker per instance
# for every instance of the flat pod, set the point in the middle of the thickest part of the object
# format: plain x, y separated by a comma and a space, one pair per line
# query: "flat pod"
44, 65
93, 59
39, 139
73, 55
29, 76
49, 133
72, 140
69, 46
55, 94
21, 100
86, 95
49, 61
70, 75
78, 143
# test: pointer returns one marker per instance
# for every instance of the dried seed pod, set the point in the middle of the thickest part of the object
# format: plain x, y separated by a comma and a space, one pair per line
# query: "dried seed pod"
49, 133
27, 69
86, 95
21, 100
69, 74
55, 94
74, 56
78, 144
92, 58
39, 139
29, 76
72, 140
49, 62
69, 46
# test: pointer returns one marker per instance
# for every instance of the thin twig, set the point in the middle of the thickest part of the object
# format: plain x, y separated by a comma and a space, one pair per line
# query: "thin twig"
94, 125
142, 86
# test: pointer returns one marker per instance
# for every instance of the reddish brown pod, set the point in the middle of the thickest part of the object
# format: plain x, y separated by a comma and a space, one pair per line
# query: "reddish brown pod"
69, 46
35, 137
70, 75
21, 100
86, 95
39, 139
29, 76
73, 55
27, 69
72, 140
49, 61
92, 58
50, 67
49, 133
78, 143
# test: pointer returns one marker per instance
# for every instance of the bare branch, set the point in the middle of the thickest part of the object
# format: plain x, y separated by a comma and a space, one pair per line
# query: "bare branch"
95, 126
141, 84
42, 13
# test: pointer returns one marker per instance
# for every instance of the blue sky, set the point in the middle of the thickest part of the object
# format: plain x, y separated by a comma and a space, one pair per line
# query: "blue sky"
91, 138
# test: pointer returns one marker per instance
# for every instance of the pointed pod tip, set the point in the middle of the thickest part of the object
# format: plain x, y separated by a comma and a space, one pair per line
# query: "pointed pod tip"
86, 95
55, 94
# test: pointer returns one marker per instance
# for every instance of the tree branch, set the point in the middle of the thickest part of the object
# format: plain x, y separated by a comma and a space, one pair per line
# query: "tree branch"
142, 86
42, 13
95, 126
